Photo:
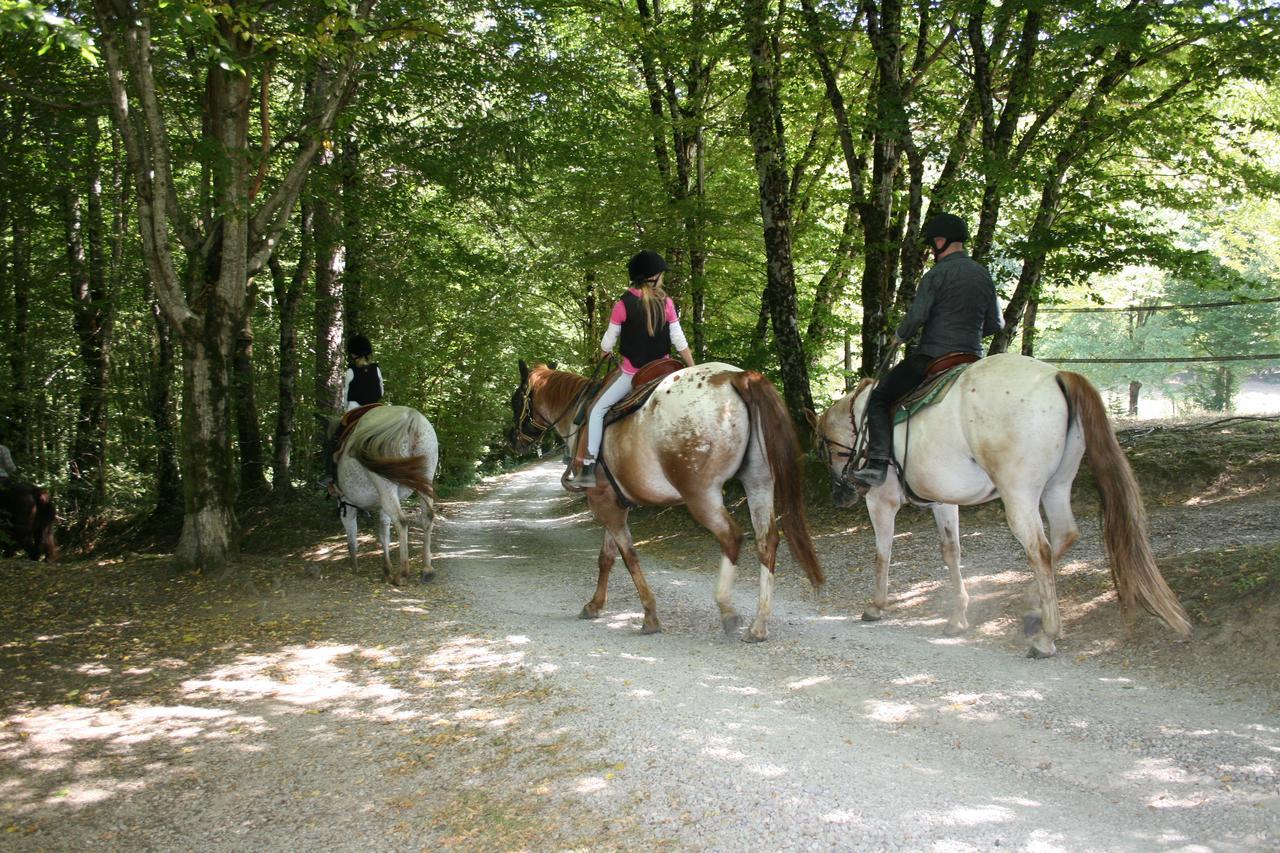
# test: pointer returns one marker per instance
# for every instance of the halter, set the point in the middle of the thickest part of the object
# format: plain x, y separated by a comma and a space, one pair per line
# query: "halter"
852, 454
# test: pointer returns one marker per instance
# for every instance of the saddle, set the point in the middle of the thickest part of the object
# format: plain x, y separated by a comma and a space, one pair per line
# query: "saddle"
643, 385
348, 423
939, 376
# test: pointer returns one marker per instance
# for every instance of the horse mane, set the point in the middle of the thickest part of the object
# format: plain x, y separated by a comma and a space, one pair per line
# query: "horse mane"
556, 389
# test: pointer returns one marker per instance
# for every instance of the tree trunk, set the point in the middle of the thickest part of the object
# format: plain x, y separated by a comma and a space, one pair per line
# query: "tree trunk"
1029, 329
1134, 387
21, 215
353, 236
764, 117
168, 482
253, 478
86, 262
327, 325
287, 298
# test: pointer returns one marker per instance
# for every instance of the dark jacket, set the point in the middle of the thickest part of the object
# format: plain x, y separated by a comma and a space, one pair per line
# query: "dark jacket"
956, 306
636, 343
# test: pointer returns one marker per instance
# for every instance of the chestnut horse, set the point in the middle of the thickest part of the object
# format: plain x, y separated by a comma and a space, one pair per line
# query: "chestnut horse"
390, 454
1015, 428
702, 426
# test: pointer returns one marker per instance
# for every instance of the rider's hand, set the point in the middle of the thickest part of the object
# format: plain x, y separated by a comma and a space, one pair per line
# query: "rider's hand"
604, 355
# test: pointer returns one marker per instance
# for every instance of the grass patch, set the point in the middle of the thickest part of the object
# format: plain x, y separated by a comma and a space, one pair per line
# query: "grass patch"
1210, 582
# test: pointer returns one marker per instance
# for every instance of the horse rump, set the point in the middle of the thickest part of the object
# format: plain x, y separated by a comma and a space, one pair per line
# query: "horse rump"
27, 516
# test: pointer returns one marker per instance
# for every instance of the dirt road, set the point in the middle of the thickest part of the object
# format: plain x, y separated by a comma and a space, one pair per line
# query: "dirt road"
840, 734
480, 713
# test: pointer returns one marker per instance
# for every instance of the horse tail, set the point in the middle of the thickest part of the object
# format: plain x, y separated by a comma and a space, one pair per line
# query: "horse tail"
781, 448
377, 448
42, 533
1124, 519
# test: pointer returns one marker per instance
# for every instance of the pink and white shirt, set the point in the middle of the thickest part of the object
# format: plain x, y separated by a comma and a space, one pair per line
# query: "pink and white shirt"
619, 316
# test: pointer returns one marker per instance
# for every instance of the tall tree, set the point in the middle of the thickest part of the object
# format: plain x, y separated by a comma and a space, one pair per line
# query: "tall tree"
222, 251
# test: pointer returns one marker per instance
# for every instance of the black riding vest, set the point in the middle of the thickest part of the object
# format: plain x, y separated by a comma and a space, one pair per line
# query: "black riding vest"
637, 344
365, 386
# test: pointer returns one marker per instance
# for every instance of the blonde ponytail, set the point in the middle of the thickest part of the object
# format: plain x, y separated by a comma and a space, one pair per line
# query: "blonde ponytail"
653, 299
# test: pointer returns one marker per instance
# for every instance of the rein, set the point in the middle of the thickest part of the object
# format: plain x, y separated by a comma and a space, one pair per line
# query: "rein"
528, 415
859, 425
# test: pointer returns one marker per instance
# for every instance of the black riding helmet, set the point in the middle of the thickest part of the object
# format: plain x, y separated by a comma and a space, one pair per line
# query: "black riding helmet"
949, 227
645, 265
358, 346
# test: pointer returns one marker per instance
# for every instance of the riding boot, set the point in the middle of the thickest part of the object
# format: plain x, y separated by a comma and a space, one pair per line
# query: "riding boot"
585, 478
879, 441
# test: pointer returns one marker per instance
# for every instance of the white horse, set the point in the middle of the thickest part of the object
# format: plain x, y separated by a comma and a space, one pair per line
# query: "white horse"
391, 453
1014, 428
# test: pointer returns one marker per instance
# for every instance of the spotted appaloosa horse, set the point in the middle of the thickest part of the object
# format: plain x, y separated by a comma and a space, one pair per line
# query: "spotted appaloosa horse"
1014, 428
391, 453
702, 426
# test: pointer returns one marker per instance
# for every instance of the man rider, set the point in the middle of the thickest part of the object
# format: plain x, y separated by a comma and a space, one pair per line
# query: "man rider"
956, 307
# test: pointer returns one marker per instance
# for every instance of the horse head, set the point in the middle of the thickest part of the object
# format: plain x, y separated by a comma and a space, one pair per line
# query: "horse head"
836, 441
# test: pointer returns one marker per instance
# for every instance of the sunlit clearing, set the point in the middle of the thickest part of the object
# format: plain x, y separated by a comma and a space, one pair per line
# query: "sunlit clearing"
466, 654
642, 658
808, 682
299, 675
842, 816
1159, 770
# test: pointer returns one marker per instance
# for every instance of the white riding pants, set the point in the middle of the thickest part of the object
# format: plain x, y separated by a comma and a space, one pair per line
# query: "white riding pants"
619, 388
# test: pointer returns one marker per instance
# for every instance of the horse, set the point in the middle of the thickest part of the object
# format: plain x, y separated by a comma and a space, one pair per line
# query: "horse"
1015, 428
391, 453
702, 426
27, 516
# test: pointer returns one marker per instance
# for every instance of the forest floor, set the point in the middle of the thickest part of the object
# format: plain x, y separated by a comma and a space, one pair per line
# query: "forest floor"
304, 706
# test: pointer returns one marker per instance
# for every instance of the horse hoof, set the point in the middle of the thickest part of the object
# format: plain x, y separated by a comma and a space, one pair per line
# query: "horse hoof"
732, 624
955, 630
752, 637
1031, 624
1036, 653
588, 613
426, 577
655, 628
868, 616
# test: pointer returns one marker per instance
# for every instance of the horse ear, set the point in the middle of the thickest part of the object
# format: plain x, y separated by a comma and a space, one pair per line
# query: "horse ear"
811, 418
524, 372
552, 364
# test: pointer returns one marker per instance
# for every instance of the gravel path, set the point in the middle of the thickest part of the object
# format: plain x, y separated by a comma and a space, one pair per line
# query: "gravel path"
479, 713
840, 734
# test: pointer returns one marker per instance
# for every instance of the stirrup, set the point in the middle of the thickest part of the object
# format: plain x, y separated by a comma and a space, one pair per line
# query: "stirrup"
584, 479
874, 473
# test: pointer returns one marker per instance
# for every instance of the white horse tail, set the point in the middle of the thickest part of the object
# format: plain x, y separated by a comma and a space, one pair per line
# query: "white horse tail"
378, 449
1124, 519
773, 426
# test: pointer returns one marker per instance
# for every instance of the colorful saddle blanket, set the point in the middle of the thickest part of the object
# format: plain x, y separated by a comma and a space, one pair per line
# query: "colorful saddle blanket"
941, 374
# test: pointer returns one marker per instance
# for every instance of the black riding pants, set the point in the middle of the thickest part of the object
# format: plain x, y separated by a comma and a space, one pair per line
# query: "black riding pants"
905, 376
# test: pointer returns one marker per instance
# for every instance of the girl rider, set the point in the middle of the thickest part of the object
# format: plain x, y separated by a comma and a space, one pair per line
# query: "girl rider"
645, 326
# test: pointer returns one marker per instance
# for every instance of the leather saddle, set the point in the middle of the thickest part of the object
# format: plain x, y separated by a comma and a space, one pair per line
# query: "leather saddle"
643, 385
939, 376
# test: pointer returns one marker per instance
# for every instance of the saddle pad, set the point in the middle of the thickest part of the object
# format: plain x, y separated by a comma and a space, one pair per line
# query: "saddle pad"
927, 393
639, 395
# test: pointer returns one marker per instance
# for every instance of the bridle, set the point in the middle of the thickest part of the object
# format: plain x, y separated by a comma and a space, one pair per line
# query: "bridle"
528, 417
851, 454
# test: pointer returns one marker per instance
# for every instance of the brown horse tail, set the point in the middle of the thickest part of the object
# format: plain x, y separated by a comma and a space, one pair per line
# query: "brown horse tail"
1124, 520
45, 516
782, 450
407, 471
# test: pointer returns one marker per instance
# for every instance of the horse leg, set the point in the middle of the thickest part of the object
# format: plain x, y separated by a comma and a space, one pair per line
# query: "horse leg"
1041, 624
1063, 531
608, 553
390, 500
708, 510
614, 518
384, 539
349, 518
427, 517
882, 506
758, 484
947, 517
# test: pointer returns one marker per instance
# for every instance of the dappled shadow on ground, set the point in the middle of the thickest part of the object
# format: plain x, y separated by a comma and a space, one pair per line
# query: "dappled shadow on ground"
145, 708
